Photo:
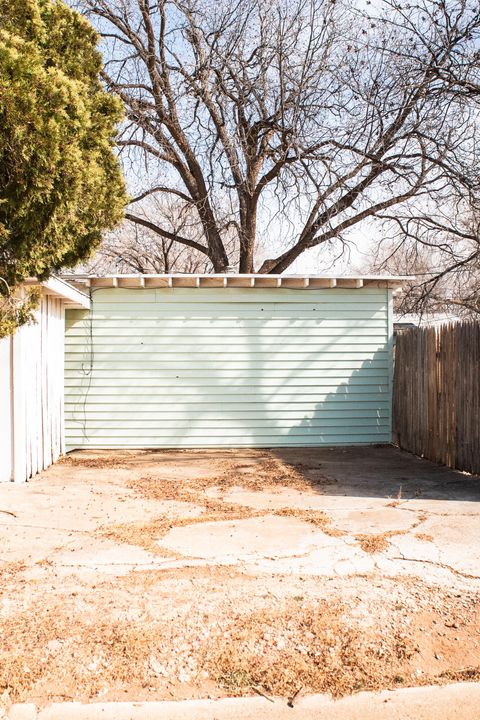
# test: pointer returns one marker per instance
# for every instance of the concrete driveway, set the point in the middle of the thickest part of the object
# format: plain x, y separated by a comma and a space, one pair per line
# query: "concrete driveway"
158, 575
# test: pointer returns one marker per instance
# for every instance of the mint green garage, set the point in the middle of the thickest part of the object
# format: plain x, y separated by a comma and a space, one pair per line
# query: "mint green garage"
227, 360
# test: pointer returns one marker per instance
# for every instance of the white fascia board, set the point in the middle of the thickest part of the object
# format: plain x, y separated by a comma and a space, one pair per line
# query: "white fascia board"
72, 297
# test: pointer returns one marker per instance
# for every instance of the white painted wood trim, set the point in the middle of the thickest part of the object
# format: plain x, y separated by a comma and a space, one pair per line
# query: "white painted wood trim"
72, 296
227, 280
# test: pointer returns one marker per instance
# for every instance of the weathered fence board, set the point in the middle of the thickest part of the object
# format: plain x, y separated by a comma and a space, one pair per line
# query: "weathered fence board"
436, 394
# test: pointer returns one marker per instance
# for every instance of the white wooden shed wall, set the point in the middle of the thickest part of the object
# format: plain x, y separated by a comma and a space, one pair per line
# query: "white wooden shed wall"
205, 367
31, 399
32, 433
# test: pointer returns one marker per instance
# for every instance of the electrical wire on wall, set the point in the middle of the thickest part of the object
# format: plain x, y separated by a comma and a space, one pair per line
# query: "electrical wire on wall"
87, 368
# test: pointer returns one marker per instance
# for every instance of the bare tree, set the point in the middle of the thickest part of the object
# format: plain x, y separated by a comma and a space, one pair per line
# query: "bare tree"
445, 270
313, 112
135, 248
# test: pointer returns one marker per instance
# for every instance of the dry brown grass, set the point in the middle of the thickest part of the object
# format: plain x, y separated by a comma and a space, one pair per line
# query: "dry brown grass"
83, 652
10, 570
266, 473
263, 473
260, 474
50, 648
314, 517
316, 648
424, 536
147, 535
144, 535
375, 543
371, 543
98, 462
469, 674
313, 647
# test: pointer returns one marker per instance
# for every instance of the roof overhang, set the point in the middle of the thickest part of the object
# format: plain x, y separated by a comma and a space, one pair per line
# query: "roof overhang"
230, 280
73, 297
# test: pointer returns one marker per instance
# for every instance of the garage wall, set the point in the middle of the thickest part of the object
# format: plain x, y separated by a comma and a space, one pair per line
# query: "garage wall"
238, 367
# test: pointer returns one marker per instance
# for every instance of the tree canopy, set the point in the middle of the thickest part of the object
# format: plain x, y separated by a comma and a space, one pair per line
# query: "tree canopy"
296, 120
60, 181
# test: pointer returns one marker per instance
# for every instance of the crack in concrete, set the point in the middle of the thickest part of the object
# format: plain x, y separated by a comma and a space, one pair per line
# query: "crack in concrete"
50, 528
94, 566
439, 564
435, 514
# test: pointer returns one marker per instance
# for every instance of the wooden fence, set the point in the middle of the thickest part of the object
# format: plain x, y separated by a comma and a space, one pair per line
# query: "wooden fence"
436, 394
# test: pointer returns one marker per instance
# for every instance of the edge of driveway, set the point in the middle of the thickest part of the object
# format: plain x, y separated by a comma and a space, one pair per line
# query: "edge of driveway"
458, 701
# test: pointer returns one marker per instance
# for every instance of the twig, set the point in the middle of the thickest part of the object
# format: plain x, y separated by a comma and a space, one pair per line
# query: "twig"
292, 699
260, 692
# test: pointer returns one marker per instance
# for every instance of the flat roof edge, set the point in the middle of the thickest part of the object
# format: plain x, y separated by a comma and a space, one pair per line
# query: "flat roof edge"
230, 280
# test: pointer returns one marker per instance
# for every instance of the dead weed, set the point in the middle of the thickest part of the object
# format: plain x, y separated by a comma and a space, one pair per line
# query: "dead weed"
10, 570
147, 535
312, 647
263, 473
98, 462
49, 648
315, 647
315, 517
424, 536
375, 543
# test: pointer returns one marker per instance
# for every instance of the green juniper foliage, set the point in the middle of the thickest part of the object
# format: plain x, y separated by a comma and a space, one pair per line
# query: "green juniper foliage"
60, 182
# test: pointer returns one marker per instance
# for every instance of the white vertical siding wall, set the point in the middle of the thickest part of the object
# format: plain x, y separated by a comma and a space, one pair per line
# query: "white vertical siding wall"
234, 367
6, 456
31, 394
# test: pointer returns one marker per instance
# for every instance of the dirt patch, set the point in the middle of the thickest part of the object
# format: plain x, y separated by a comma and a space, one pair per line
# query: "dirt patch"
316, 649
78, 659
10, 570
70, 650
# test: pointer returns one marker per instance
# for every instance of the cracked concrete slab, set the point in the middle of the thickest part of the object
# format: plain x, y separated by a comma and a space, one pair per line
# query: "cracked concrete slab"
362, 491
317, 499
101, 555
242, 540
100, 542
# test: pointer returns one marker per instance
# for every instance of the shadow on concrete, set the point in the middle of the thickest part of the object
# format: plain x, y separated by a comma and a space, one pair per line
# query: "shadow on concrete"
380, 472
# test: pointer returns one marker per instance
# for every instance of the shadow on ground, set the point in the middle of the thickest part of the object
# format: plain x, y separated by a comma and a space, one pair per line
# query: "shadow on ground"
380, 472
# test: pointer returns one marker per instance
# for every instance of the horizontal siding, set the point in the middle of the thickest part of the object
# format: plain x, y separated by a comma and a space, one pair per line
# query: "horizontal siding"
228, 367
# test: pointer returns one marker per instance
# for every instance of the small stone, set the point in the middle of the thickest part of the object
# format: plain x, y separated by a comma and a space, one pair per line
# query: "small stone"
156, 666
54, 645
